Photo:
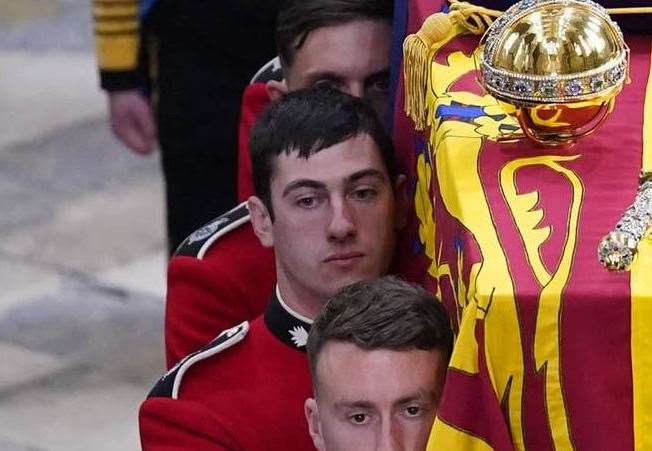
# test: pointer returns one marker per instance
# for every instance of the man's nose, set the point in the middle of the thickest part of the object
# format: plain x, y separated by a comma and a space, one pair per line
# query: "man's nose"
356, 90
342, 224
391, 438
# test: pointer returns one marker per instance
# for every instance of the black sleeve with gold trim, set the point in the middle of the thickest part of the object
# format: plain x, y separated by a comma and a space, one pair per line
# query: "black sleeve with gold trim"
118, 43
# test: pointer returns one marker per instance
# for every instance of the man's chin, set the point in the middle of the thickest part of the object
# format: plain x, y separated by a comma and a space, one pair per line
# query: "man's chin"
348, 279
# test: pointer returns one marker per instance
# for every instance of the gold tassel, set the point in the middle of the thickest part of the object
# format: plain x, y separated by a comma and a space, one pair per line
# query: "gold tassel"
420, 48
417, 57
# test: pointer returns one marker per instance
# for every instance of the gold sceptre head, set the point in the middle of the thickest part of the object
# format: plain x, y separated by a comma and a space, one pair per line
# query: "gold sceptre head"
558, 64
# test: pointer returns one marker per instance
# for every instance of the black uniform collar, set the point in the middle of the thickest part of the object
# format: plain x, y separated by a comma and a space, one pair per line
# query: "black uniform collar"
288, 326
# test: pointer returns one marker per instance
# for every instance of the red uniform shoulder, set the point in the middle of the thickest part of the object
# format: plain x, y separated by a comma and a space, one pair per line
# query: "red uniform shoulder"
220, 276
244, 391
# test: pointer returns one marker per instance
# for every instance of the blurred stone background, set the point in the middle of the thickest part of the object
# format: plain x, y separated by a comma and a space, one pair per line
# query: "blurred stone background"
82, 259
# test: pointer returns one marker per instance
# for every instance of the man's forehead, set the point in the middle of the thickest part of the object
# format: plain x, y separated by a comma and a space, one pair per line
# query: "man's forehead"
341, 352
417, 393
344, 49
349, 374
342, 159
333, 32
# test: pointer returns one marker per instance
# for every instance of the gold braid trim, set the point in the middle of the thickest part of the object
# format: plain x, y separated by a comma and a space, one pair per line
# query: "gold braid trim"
117, 37
420, 48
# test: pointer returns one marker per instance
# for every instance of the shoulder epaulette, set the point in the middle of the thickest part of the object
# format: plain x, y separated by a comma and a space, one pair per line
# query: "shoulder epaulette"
198, 243
270, 71
168, 385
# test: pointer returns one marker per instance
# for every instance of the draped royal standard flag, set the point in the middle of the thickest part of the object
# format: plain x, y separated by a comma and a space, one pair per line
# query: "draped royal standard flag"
553, 352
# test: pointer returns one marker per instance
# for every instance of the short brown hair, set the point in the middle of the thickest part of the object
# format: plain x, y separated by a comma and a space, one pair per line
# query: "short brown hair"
385, 313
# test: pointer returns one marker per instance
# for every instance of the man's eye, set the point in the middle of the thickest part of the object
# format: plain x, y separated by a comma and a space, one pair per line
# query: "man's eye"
379, 85
328, 84
413, 411
307, 202
364, 194
359, 418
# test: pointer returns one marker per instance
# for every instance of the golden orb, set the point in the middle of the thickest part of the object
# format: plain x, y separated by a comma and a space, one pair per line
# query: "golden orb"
558, 64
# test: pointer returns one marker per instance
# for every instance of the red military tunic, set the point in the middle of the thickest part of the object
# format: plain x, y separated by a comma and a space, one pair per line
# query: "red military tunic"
243, 391
220, 276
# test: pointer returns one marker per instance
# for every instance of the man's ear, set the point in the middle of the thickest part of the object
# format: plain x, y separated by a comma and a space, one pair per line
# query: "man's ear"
402, 201
261, 221
276, 89
314, 425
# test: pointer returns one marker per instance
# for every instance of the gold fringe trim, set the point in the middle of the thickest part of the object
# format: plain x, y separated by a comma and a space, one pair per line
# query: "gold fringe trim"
420, 48
417, 56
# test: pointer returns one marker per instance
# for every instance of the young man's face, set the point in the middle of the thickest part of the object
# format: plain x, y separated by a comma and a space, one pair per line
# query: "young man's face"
374, 400
352, 57
334, 223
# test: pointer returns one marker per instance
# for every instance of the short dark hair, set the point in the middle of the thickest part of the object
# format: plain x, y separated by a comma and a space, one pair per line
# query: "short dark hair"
308, 121
385, 313
298, 18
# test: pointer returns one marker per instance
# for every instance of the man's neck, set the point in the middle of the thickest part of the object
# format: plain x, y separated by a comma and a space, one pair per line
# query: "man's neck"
300, 302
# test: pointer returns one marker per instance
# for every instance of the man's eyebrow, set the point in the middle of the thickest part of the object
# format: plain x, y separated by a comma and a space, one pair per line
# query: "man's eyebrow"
360, 404
302, 183
365, 173
381, 74
419, 395
323, 75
